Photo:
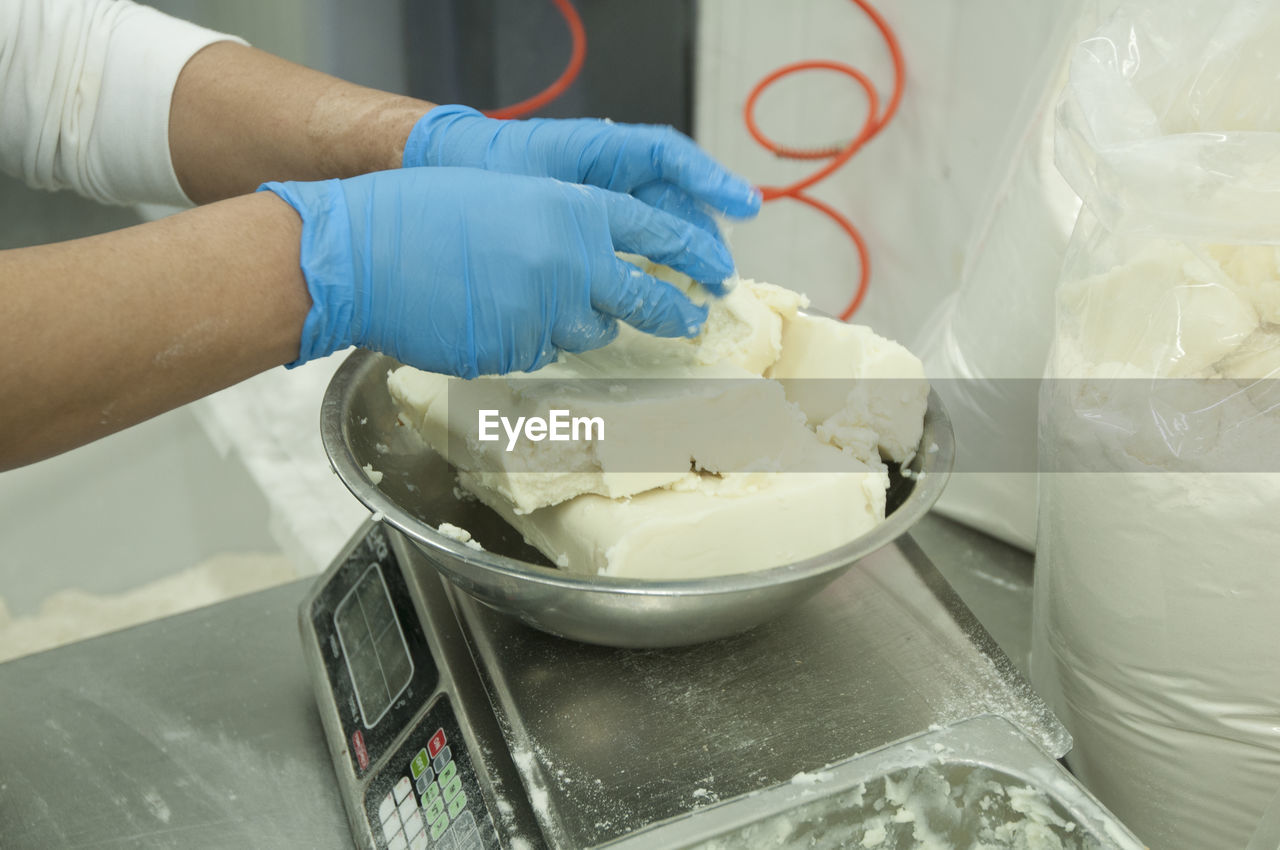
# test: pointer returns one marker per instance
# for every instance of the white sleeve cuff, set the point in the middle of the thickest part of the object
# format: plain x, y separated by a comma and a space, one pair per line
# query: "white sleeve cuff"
129, 159
85, 91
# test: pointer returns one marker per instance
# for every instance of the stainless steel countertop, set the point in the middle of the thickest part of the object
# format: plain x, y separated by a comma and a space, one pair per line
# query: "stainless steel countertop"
992, 578
201, 730
194, 731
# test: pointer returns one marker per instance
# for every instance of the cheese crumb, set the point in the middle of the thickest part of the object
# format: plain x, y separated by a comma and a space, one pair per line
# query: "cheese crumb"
459, 534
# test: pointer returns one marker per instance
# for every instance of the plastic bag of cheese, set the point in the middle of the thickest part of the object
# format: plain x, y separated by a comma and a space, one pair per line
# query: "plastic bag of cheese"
1157, 604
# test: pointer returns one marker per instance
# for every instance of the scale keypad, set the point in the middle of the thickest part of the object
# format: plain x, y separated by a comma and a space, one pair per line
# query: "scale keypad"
429, 796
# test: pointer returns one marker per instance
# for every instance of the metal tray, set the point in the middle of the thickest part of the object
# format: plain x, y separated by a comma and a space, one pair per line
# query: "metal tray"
360, 429
976, 783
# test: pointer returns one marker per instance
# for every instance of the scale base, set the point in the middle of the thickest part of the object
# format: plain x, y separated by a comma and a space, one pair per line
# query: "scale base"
622, 748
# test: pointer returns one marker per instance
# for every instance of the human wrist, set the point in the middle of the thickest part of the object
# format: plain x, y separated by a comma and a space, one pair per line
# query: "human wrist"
398, 120
425, 142
326, 259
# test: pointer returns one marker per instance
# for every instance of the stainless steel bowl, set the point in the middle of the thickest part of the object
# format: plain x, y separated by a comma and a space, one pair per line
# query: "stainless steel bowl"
360, 428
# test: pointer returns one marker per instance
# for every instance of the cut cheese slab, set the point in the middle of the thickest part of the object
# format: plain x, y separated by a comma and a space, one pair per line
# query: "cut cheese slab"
738, 523
861, 392
652, 431
670, 408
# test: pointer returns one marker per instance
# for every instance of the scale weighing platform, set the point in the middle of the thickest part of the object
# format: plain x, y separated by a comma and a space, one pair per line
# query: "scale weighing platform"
453, 726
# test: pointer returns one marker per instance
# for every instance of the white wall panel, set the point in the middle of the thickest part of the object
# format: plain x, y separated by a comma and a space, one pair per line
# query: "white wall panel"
974, 71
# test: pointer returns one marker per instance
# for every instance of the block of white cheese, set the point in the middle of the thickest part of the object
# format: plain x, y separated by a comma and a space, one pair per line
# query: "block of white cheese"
715, 525
860, 391
541, 473
743, 327
1254, 273
667, 408
1170, 312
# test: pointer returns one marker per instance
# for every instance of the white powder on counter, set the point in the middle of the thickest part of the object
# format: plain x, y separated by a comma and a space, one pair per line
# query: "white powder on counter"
73, 615
950, 807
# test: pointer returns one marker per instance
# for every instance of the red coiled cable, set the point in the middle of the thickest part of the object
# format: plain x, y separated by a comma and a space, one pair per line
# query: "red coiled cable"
874, 123
570, 73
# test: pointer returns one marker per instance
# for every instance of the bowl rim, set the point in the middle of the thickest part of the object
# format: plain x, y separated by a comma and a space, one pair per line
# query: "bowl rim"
354, 370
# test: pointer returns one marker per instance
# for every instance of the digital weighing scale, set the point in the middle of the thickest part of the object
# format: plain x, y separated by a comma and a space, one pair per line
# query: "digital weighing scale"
452, 726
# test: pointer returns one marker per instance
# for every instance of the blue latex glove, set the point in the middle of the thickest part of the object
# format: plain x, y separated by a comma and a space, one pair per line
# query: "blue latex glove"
658, 165
469, 272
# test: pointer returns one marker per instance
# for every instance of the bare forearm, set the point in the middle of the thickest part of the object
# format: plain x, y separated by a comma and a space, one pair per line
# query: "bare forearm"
101, 333
241, 117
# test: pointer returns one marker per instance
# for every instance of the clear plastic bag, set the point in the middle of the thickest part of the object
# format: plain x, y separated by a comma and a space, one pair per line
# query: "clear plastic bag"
986, 344
1157, 602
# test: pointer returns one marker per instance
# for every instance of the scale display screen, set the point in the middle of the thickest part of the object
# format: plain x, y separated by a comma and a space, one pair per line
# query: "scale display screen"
376, 659
374, 645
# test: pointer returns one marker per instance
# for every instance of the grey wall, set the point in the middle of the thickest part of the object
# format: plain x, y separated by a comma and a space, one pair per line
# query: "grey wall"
489, 53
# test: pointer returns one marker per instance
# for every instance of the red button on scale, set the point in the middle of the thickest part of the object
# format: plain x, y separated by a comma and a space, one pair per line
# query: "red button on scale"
436, 744
362, 754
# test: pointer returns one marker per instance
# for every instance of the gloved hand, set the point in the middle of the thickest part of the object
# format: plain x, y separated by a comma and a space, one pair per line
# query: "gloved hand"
469, 272
658, 165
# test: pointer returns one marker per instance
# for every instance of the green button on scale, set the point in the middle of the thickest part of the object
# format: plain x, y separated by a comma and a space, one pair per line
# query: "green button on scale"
420, 763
